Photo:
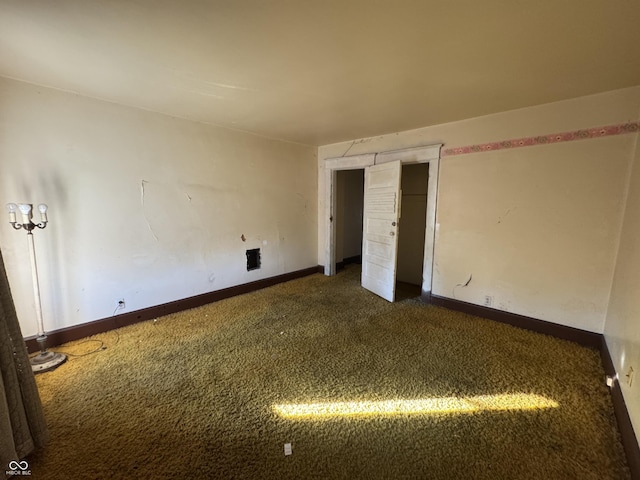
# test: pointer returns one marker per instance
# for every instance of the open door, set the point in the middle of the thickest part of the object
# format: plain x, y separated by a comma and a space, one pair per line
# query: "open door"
380, 228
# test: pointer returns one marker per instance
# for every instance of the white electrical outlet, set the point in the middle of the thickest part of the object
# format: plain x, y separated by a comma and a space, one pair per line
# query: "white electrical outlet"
629, 376
488, 300
121, 303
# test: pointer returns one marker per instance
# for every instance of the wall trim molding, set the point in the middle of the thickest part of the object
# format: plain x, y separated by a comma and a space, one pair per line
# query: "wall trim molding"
582, 337
76, 332
423, 154
584, 134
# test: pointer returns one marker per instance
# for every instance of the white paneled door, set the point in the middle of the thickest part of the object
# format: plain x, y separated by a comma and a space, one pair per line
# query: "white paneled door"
380, 228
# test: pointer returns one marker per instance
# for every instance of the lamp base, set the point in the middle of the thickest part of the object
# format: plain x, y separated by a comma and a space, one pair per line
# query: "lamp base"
46, 361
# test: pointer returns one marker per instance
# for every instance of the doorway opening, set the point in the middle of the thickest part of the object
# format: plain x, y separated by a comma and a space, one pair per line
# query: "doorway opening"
382, 194
411, 232
349, 202
348, 220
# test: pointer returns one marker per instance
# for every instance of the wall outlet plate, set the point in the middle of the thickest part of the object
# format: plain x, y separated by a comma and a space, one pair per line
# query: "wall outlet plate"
488, 300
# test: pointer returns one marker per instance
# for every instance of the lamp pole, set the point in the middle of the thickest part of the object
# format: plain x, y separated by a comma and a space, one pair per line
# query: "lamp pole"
45, 360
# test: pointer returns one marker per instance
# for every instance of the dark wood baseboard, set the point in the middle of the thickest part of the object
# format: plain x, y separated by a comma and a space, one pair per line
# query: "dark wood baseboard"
347, 261
583, 337
355, 259
627, 434
76, 332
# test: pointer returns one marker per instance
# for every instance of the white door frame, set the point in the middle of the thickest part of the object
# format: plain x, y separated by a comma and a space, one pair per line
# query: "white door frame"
331, 167
428, 154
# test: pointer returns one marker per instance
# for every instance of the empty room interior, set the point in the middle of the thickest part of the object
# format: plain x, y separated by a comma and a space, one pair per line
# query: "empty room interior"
333, 239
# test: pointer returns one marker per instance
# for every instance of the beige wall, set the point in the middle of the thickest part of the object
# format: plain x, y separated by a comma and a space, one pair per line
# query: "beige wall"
622, 328
537, 227
143, 206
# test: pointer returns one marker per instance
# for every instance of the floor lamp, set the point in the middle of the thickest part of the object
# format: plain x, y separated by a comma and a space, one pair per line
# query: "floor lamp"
45, 360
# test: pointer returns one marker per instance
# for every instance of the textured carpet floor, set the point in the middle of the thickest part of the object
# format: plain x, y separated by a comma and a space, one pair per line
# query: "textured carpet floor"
192, 395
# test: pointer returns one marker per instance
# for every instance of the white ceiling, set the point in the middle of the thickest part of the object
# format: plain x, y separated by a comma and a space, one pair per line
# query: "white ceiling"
323, 71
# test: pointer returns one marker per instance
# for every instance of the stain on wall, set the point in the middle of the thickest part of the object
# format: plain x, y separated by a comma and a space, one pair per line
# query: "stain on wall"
537, 226
144, 206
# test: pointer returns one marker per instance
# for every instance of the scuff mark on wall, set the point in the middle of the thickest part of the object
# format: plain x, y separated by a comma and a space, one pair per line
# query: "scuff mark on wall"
142, 184
142, 192
466, 284
302, 198
505, 306
506, 214
304, 205
188, 197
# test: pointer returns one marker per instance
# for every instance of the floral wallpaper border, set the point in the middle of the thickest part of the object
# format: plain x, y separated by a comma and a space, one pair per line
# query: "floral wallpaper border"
620, 129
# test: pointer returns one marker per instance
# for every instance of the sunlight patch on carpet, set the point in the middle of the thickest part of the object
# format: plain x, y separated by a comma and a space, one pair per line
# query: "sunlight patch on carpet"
423, 406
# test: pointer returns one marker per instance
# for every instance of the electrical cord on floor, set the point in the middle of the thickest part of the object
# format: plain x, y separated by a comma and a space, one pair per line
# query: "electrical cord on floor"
99, 349
117, 335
